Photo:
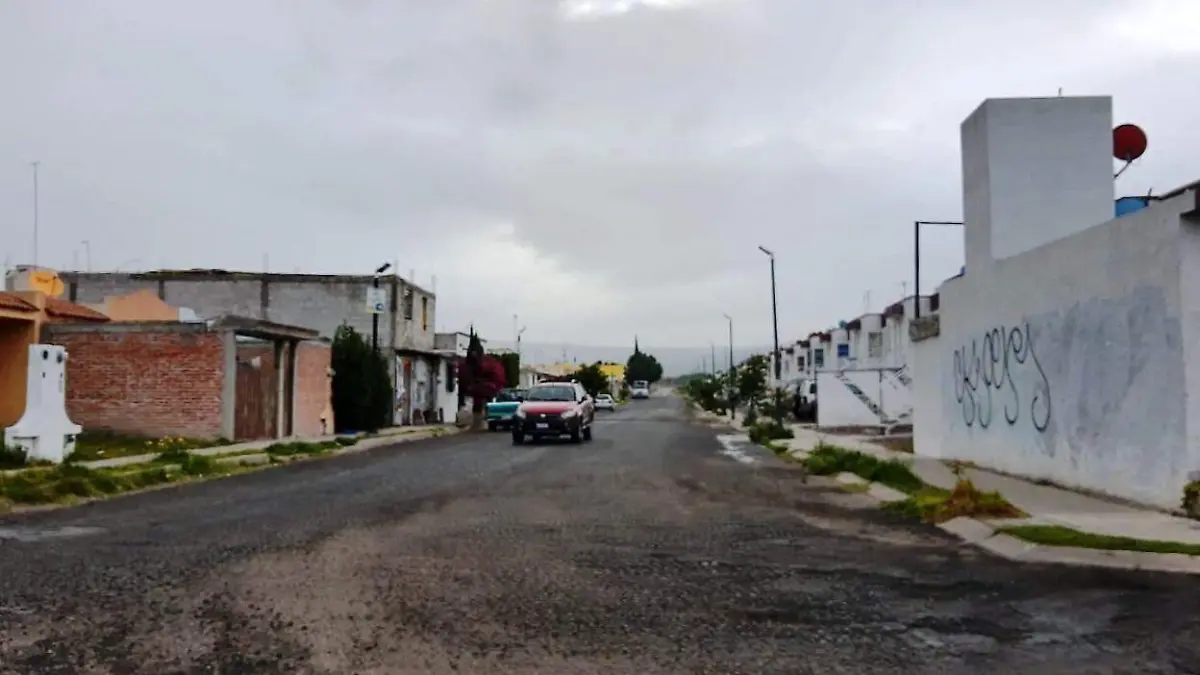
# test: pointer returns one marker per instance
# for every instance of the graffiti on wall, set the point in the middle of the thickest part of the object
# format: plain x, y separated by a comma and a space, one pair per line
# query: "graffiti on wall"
984, 379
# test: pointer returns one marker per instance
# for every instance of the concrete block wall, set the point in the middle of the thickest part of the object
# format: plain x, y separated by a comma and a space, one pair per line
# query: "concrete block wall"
319, 302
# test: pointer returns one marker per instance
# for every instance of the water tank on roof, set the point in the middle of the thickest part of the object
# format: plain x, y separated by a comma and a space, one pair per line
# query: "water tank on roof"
1128, 205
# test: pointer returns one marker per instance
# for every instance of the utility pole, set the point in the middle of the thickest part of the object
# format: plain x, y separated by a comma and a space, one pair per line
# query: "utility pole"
87, 254
35, 212
712, 348
731, 371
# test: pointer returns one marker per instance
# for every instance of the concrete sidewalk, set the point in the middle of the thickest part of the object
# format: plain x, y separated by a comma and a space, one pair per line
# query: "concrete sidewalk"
1045, 504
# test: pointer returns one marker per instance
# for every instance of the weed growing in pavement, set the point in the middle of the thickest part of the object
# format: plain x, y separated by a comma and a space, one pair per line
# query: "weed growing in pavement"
768, 430
828, 460
1191, 499
934, 505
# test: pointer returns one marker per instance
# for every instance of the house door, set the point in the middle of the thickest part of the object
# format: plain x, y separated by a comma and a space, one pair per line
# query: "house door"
255, 400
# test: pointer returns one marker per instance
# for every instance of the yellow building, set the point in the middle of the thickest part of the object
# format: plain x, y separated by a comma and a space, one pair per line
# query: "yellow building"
615, 372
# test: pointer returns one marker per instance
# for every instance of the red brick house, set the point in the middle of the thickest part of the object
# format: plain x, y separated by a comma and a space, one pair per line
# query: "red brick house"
232, 377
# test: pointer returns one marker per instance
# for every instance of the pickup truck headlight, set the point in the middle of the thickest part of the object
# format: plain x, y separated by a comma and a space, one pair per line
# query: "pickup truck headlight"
570, 413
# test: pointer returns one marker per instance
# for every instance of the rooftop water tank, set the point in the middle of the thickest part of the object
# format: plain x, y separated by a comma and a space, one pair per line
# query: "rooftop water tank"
1128, 205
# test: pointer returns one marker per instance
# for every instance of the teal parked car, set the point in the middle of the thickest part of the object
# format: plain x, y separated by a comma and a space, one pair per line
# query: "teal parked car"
500, 410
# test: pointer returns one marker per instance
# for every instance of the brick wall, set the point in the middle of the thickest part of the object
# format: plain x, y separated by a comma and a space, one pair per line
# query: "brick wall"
312, 389
155, 381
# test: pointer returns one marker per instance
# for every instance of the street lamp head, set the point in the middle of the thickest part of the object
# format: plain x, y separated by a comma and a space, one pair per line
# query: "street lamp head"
765, 250
383, 268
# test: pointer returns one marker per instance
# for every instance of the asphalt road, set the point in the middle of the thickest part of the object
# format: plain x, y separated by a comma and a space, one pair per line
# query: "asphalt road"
646, 551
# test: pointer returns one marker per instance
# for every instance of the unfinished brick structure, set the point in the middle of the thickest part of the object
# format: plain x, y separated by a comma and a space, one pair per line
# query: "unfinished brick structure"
219, 379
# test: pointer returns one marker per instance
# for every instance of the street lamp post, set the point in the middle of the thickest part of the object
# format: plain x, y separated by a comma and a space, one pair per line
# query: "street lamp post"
917, 258
774, 312
731, 371
775, 327
375, 315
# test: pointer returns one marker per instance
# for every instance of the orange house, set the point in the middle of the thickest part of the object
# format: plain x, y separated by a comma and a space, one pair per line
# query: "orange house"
22, 314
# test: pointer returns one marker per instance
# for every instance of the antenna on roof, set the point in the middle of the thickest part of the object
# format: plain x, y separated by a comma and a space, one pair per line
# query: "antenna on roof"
1060, 92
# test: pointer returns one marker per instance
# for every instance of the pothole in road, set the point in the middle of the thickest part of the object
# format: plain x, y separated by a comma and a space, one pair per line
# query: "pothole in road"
31, 534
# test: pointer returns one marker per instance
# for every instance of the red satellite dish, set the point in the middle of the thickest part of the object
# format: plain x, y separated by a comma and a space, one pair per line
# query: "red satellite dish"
1129, 142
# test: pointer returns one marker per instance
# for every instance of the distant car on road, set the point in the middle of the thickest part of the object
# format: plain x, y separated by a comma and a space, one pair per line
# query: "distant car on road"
605, 402
554, 409
640, 389
500, 410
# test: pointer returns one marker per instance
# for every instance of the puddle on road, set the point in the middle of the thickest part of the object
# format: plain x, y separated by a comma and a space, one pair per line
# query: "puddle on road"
32, 534
733, 446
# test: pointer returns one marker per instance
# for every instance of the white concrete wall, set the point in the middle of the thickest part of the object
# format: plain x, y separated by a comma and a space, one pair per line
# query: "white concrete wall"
447, 401
1067, 362
1034, 170
928, 416
837, 407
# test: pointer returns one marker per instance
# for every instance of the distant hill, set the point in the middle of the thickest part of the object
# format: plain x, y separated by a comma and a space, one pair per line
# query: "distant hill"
675, 360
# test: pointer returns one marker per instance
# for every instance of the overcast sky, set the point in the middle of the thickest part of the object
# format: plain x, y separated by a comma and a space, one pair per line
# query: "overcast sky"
600, 168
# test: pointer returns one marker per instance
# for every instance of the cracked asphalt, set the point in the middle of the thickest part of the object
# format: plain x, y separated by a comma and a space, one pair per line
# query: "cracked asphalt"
646, 551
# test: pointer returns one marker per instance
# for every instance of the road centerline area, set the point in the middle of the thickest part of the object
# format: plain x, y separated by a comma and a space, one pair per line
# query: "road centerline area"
661, 546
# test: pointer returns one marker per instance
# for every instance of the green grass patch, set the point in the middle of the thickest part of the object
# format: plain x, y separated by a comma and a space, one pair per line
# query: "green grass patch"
92, 445
71, 482
12, 459
301, 448
857, 487
1055, 535
830, 460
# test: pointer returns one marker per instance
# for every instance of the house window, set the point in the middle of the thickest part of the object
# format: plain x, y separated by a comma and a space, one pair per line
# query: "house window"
819, 358
799, 363
424, 313
451, 376
875, 345
408, 304
843, 351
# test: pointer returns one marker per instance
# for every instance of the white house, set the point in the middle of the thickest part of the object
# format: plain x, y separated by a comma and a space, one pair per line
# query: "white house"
452, 347
1069, 349
864, 365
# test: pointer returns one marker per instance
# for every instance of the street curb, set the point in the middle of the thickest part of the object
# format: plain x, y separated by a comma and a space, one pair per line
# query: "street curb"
983, 535
256, 462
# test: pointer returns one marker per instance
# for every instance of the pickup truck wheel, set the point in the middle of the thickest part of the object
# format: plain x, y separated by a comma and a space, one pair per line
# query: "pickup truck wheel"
491, 426
518, 438
575, 437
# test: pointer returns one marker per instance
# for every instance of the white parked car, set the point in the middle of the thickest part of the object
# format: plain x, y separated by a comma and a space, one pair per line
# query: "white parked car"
605, 402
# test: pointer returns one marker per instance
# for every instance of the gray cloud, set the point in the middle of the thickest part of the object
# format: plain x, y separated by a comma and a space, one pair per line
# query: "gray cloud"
532, 158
